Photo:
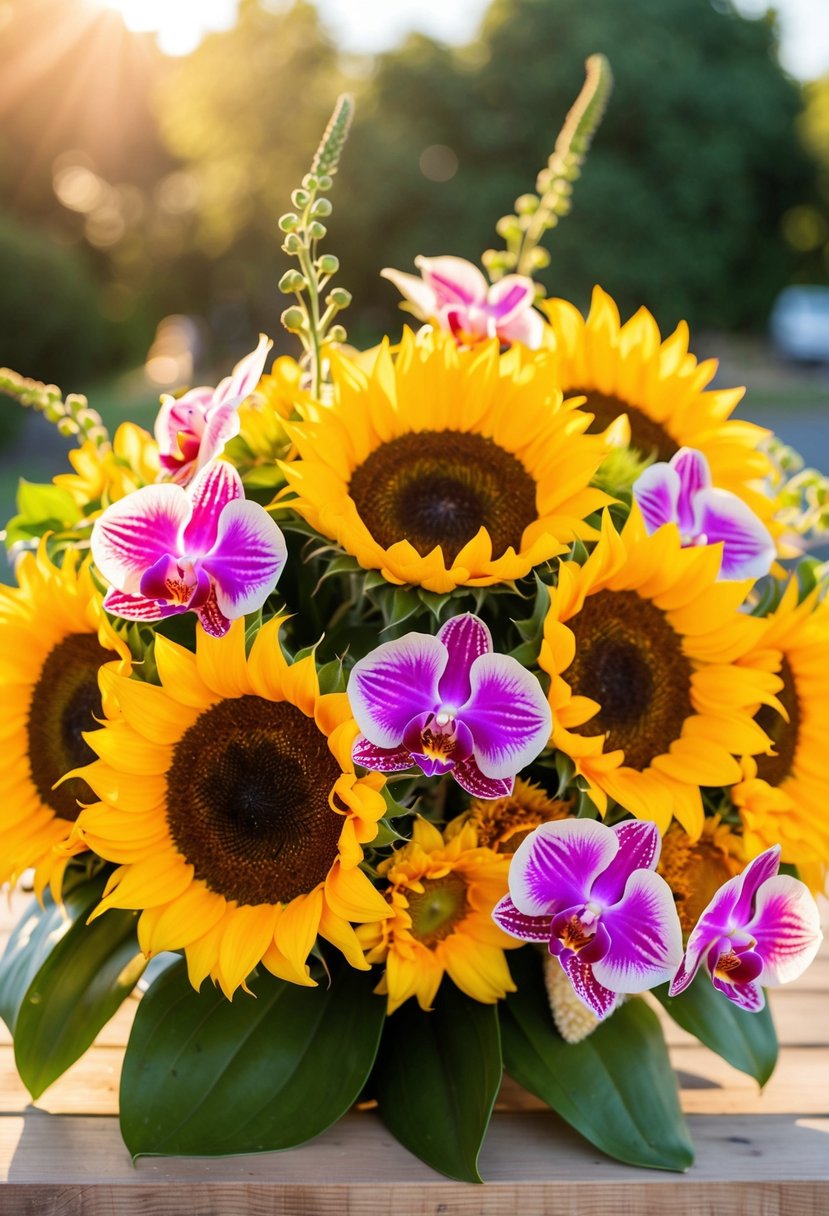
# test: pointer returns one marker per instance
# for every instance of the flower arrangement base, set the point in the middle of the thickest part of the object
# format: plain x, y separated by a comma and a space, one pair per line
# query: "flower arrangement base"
755, 1151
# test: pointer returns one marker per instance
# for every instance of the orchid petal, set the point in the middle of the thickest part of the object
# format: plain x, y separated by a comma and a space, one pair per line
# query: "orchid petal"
747, 996
527, 928
527, 327
465, 637
395, 682
508, 714
134, 532
414, 290
380, 759
245, 376
210, 492
247, 558
714, 922
639, 848
509, 297
453, 280
786, 925
748, 548
645, 936
601, 1000
134, 607
691, 468
211, 617
758, 871
470, 778
180, 413
221, 426
657, 491
556, 865
437, 746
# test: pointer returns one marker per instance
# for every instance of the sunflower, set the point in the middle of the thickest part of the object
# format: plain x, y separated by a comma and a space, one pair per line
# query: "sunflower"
230, 802
54, 637
660, 388
103, 477
782, 796
640, 643
502, 823
446, 468
696, 869
441, 893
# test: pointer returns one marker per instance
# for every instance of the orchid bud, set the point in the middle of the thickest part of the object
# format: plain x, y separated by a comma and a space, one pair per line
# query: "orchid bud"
337, 333
325, 182
292, 243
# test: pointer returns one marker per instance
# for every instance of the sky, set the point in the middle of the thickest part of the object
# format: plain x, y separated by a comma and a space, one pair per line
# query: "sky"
368, 26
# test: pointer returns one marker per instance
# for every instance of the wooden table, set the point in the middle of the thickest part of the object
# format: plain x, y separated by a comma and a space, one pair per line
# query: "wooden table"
757, 1154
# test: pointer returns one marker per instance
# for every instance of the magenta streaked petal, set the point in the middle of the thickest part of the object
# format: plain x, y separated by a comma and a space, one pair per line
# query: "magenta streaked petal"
395, 682
417, 292
527, 928
716, 921
656, 491
748, 548
210, 492
470, 778
587, 988
453, 280
245, 375
221, 426
508, 714
556, 865
786, 925
179, 414
133, 607
639, 848
247, 558
748, 996
691, 468
743, 966
381, 759
646, 938
509, 297
526, 327
465, 637
758, 871
211, 617
134, 532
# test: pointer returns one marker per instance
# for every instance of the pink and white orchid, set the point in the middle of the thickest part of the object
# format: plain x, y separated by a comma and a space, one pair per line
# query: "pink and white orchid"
193, 429
590, 893
680, 492
449, 705
455, 294
760, 930
167, 550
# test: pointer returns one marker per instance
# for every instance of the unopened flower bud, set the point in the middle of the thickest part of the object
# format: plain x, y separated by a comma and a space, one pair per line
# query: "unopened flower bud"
321, 208
337, 333
67, 427
325, 182
288, 222
300, 198
292, 281
310, 181
328, 264
508, 226
339, 297
292, 243
316, 230
293, 319
539, 258
527, 204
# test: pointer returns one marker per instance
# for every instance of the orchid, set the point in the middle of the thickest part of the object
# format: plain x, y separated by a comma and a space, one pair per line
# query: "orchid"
193, 429
167, 550
449, 705
680, 492
761, 929
590, 893
455, 294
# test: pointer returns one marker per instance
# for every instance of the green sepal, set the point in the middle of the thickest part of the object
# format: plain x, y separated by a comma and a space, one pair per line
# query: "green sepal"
386, 835
331, 677
532, 628
437, 1078
616, 1087
746, 1040
79, 985
204, 1076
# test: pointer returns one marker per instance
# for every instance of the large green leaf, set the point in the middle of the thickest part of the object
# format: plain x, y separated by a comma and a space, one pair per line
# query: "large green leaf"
746, 1040
616, 1087
34, 937
437, 1078
76, 990
206, 1077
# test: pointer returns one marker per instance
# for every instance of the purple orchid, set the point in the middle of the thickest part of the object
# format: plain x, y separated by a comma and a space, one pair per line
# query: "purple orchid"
680, 492
454, 293
590, 892
206, 550
193, 429
449, 705
761, 929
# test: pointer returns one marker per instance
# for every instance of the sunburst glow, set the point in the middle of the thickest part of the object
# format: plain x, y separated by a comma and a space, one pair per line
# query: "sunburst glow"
179, 25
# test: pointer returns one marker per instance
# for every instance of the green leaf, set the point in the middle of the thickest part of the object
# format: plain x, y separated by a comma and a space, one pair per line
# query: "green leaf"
75, 992
37, 503
437, 1078
206, 1077
616, 1087
746, 1040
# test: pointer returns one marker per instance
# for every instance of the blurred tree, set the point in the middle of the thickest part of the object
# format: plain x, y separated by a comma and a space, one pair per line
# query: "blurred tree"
681, 201
807, 226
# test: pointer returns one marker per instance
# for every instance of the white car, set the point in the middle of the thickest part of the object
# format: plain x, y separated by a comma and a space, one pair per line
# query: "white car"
799, 324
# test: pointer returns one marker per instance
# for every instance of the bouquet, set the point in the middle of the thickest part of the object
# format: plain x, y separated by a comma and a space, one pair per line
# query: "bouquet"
402, 716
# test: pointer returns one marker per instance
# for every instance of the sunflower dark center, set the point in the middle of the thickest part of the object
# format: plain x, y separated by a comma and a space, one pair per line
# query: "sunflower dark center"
66, 701
629, 659
247, 801
439, 488
783, 734
436, 911
647, 436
